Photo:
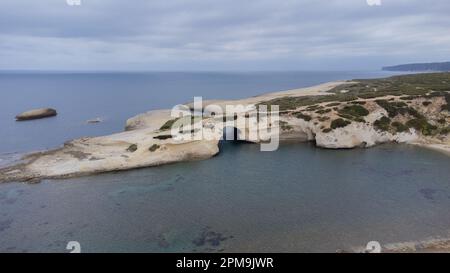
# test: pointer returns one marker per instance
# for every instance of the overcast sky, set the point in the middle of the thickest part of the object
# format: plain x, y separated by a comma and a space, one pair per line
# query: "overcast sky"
221, 34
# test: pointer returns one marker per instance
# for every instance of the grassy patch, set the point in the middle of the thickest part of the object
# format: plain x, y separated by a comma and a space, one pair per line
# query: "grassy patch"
323, 111
132, 148
154, 147
399, 127
314, 107
285, 126
339, 123
168, 125
406, 87
382, 124
300, 115
163, 137
354, 110
396, 108
422, 126
445, 131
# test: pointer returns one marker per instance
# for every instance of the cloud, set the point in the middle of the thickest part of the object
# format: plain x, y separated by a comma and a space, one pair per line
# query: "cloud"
221, 34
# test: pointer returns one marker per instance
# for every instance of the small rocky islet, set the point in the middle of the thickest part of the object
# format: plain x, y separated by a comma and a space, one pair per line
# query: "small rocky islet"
36, 114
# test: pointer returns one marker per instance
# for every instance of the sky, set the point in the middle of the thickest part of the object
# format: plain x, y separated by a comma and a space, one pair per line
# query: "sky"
215, 35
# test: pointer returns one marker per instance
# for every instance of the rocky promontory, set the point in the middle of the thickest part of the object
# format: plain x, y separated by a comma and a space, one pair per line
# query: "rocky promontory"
411, 109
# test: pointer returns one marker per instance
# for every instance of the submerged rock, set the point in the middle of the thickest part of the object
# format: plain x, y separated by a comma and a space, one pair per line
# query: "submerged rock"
36, 114
95, 120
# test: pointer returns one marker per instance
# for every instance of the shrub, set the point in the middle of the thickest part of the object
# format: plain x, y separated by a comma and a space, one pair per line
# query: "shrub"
333, 104
354, 110
323, 111
303, 116
358, 102
314, 107
445, 131
395, 108
382, 124
285, 126
339, 123
132, 148
154, 147
327, 130
426, 103
163, 137
399, 127
422, 126
168, 124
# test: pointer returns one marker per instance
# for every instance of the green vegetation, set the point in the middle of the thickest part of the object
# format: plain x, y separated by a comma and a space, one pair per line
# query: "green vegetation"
426, 103
154, 147
408, 98
339, 123
324, 118
399, 127
445, 131
405, 86
314, 107
163, 137
358, 102
327, 130
323, 111
132, 148
382, 124
422, 126
356, 111
285, 126
396, 108
168, 125
300, 115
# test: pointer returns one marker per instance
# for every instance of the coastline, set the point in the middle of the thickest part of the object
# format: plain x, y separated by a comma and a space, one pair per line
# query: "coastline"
441, 148
328, 114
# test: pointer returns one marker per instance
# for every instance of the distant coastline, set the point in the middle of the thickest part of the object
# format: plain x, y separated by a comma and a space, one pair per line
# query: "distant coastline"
416, 67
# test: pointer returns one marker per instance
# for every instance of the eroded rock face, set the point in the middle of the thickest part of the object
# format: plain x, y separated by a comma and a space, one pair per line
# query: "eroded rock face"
36, 114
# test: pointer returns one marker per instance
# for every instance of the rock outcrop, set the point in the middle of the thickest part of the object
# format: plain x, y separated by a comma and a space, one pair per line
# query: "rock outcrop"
360, 117
36, 114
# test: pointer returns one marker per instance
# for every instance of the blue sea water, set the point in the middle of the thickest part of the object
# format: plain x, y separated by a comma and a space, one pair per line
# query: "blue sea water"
297, 199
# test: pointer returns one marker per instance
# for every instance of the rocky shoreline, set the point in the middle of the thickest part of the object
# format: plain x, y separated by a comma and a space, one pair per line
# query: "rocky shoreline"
335, 115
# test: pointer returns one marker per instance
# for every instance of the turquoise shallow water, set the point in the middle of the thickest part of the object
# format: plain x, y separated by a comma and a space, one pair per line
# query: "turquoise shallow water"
299, 198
